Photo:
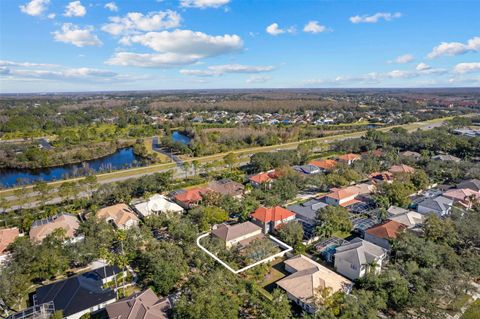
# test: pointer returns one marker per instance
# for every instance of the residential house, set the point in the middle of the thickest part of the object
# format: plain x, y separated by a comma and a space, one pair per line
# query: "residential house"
395, 210
190, 197
473, 184
401, 169
306, 212
120, 215
264, 179
341, 197
412, 155
7, 236
157, 204
324, 165
107, 273
410, 219
141, 305
362, 188
349, 158
383, 233
43, 227
356, 258
308, 279
381, 177
76, 296
270, 218
462, 196
375, 153
227, 187
241, 233
446, 158
440, 205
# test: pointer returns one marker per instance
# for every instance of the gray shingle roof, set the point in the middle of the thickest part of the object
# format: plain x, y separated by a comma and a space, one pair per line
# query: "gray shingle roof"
307, 210
358, 249
437, 204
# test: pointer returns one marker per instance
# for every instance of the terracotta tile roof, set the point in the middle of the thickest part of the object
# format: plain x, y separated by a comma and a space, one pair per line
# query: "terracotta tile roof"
349, 157
342, 193
387, 230
226, 187
324, 164
120, 214
268, 214
461, 194
382, 176
402, 168
141, 305
350, 202
42, 228
190, 196
7, 236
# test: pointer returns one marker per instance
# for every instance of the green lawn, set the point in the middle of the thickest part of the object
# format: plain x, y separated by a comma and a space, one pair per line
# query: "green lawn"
472, 312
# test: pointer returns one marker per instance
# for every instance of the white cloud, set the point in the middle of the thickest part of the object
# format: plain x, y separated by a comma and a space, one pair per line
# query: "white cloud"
203, 3
274, 29
51, 16
314, 27
28, 70
375, 18
134, 22
77, 36
147, 60
467, 67
455, 48
112, 6
402, 59
75, 9
35, 7
217, 70
257, 79
422, 67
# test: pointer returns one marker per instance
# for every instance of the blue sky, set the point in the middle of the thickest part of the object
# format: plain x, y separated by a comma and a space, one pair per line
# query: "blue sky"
87, 45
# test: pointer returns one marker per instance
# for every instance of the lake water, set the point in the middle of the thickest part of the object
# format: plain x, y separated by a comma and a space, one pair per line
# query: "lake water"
123, 158
179, 137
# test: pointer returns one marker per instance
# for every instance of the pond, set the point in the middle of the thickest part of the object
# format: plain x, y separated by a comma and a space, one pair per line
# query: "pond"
121, 159
179, 137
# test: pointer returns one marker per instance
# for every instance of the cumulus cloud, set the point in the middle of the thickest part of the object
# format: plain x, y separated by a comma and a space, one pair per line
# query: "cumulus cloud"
35, 7
112, 6
314, 27
51, 16
217, 70
75, 9
148, 60
402, 59
203, 3
422, 67
455, 48
77, 36
375, 18
27, 70
135, 22
467, 67
274, 29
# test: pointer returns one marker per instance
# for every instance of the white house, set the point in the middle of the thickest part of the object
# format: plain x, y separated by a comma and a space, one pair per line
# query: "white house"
157, 204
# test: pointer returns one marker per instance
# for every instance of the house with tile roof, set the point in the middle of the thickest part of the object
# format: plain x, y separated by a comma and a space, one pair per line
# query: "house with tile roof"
141, 305
349, 158
341, 197
383, 233
401, 169
307, 169
307, 279
43, 227
410, 219
462, 196
446, 158
270, 218
440, 205
381, 177
189, 198
157, 204
227, 187
264, 179
7, 236
120, 215
241, 233
358, 257
410, 154
324, 165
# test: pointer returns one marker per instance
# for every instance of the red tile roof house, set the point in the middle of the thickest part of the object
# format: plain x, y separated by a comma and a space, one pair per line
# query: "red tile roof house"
190, 197
270, 218
349, 158
401, 169
381, 177
463, 196
324, 165
264, 179
382, 234
7, 236
342, 197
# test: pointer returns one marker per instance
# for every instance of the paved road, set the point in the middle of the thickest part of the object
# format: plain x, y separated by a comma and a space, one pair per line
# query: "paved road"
156, 147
